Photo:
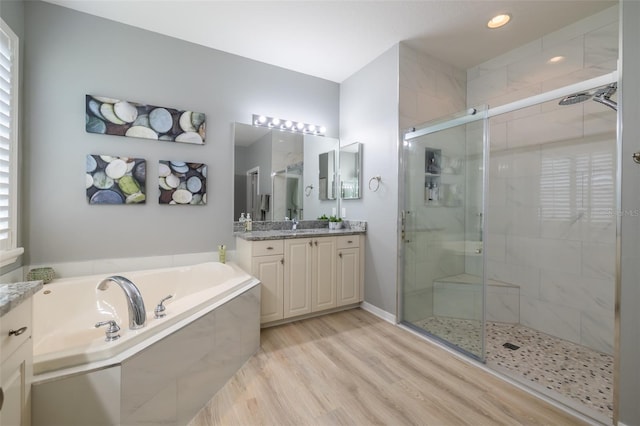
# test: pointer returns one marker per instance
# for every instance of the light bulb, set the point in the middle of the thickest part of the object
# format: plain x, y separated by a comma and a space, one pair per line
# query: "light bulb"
499, 21
312, 128
288, 124
300, 126
323, 130
262, 119
275, 121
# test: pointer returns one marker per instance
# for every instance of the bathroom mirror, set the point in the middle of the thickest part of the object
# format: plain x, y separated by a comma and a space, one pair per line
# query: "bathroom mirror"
276, 174
327, 175
350, 171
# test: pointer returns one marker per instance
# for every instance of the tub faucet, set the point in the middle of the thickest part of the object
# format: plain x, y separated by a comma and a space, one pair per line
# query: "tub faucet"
294, 224
137, 313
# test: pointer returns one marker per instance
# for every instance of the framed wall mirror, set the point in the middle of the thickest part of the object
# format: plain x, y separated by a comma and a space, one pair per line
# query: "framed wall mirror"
351, 171
276, 174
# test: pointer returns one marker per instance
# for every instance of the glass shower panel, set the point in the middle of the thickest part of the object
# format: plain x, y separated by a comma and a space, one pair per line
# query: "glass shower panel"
443, 259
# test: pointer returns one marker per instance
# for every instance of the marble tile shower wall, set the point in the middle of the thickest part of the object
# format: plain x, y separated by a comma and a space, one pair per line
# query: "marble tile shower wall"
551, 229
429, 89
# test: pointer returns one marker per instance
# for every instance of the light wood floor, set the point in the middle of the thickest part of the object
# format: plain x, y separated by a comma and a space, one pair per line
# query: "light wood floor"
353, 368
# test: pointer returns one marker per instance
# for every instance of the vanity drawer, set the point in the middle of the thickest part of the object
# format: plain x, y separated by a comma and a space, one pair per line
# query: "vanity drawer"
348, 241
15, 320
267, 247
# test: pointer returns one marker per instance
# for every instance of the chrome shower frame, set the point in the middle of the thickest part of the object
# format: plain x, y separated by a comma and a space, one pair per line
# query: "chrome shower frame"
606, 81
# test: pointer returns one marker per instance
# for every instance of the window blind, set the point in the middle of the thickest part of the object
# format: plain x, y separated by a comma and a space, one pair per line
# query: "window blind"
7, 136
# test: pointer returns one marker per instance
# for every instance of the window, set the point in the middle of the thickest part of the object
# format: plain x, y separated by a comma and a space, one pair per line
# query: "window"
579, 185
9, 251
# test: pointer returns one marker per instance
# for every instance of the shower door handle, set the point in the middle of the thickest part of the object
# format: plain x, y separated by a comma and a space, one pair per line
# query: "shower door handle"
636, 157
403, 224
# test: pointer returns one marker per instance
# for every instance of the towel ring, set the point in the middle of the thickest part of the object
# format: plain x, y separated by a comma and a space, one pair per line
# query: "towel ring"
307, 190
376, 183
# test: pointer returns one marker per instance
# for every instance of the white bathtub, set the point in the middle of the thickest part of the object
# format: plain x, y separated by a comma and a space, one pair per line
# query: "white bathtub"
66, 311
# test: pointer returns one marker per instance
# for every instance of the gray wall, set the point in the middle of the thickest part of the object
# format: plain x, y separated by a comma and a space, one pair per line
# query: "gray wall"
369, 114
70, 54
628, 373
12, 12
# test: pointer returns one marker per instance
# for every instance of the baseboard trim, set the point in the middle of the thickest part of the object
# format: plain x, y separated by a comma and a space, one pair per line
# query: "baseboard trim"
380, 313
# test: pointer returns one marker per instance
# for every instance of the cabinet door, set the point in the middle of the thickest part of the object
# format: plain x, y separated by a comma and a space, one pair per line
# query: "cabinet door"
297, 276
324, 274
348, 276
270, 270
16, 409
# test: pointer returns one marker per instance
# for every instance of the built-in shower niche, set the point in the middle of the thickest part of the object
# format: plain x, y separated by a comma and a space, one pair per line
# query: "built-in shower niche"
441, 176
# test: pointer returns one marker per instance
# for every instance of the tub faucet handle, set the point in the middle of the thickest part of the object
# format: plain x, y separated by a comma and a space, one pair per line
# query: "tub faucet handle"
159, 311
112, 331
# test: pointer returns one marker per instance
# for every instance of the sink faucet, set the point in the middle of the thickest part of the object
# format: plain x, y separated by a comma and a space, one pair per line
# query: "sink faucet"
137, 313
294, 224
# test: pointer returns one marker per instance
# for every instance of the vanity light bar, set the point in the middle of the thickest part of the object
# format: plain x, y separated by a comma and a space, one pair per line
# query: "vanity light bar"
288, 125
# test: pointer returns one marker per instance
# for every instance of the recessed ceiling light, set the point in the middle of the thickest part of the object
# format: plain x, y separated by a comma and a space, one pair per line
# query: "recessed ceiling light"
556, 59
499, 21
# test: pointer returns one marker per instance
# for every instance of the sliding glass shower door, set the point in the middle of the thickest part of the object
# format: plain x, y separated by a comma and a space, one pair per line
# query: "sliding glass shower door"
443, 290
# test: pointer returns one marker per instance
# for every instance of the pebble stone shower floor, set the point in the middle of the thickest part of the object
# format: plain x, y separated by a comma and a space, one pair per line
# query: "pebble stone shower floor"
571, 370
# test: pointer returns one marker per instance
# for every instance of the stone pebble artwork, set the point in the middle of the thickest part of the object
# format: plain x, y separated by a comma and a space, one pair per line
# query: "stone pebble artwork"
124, 118
182, 183
115, 180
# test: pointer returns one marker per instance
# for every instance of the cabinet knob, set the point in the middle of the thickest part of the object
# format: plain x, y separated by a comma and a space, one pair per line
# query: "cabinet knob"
316, 243
17, 332
310, 244
340, 255
349, 242
282, 261
1, 398
269, 248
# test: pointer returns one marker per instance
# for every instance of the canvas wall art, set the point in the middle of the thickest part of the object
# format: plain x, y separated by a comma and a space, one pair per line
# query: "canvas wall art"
124, 118
115, 180
182, 183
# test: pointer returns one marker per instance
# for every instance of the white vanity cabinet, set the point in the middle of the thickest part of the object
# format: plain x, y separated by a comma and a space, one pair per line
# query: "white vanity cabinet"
297, 276
310, 275
350, 270
323, 278
304, 276
16, 364
265, 261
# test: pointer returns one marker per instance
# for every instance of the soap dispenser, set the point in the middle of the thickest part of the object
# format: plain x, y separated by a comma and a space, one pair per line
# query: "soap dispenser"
248, 225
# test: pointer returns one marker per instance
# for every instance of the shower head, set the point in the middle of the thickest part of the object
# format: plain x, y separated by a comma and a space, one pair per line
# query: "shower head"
576, 98
601, 95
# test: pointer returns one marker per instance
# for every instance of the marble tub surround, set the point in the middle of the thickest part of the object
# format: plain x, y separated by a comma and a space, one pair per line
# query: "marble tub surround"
306, 228
166, 383
11, 295
74, 302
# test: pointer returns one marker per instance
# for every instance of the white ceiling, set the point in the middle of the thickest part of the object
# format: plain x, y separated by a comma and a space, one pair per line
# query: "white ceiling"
334, 39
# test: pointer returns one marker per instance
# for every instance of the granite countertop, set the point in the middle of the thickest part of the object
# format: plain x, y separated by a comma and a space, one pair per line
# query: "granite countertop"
11, 295
277, 234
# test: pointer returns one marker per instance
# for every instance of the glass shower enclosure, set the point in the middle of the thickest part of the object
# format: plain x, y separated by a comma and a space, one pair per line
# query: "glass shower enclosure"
442, 230
539, 306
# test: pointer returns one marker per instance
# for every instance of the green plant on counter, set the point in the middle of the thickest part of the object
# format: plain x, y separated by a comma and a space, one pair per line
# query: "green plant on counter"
335, 219
323, 217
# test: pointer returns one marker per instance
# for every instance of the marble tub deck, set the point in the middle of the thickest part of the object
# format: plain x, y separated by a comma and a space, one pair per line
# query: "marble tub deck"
566, 369
11, 295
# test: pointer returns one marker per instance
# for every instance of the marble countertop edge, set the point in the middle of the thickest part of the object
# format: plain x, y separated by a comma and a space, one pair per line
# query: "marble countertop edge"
300, 233
12, 295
